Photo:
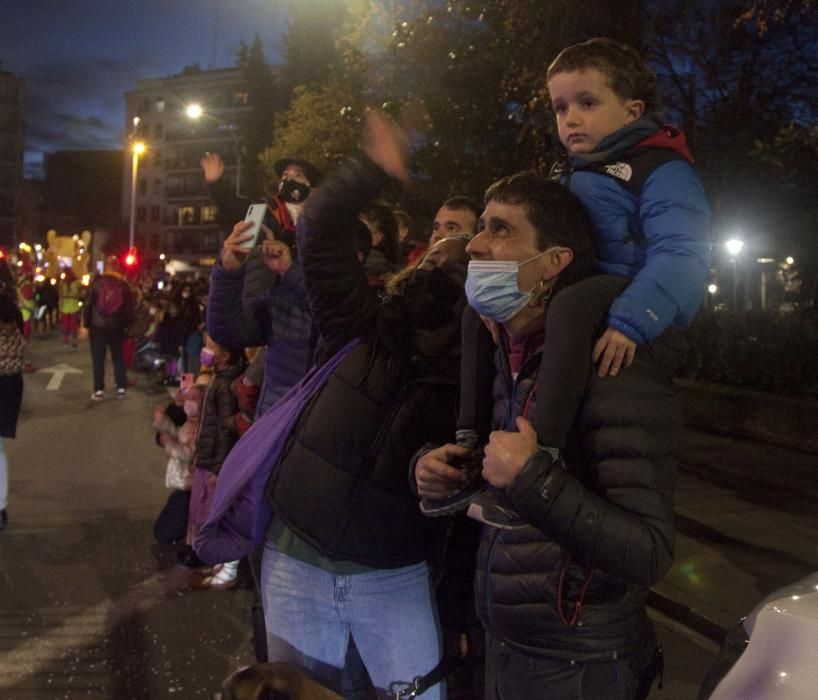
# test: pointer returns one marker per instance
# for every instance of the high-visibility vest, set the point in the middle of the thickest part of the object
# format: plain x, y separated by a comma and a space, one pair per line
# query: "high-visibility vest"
27, 305
69, 297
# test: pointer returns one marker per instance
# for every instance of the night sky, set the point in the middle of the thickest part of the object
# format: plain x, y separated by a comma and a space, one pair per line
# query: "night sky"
79, 57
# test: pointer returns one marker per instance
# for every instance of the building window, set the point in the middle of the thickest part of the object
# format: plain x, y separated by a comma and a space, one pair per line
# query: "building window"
157, 186
157, 130
140, 215
159, 105
240, 97
187, 215
209, 213
155, 213
143, 186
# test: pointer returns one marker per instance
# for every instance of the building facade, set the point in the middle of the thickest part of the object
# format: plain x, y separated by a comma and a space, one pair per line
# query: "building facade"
173, 214
12, 144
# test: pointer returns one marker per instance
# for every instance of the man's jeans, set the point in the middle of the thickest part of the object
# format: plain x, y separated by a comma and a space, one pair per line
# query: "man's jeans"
100, 340
390, 613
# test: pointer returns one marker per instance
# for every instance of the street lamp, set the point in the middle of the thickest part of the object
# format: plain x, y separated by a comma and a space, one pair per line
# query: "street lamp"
734, 247
138, 148
195, 112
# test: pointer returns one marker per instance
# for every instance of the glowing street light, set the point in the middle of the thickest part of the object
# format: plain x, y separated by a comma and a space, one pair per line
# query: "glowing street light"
195, 112
712, 288
138, 148
790, 260
734, 246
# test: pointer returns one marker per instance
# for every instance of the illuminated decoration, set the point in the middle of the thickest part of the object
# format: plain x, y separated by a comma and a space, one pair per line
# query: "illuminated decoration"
67, 251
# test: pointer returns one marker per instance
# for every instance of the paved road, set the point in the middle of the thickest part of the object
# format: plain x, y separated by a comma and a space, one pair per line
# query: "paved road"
90, 607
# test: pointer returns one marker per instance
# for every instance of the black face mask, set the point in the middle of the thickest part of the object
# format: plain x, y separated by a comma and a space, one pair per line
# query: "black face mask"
293, 191
432, 298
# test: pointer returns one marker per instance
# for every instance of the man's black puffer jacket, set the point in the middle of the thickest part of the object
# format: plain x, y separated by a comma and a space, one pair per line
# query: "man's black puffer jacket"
608, 516
341, 482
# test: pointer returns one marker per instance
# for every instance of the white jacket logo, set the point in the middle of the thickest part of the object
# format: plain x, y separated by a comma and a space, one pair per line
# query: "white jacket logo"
621, 171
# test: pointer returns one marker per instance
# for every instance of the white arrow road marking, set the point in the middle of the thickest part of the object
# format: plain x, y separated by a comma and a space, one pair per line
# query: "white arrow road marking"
59, 371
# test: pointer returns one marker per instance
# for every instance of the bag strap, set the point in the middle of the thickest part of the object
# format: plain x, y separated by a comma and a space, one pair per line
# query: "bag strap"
419, 685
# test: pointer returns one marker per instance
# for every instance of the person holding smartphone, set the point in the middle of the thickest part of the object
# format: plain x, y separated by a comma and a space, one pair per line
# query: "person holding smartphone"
284, 197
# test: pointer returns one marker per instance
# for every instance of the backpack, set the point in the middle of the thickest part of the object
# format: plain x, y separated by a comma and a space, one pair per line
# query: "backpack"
240, 512
110, 297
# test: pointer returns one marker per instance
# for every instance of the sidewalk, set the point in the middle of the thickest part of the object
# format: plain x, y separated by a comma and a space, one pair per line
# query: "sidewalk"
746, 525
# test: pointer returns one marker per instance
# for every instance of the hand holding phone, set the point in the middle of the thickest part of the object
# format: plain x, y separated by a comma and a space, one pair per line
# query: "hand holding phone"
255, 215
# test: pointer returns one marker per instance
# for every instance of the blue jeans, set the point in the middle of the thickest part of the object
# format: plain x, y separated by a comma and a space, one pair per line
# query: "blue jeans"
390, 613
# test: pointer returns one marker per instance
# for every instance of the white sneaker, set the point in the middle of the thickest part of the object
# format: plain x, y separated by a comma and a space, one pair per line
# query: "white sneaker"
97, 396
120, 393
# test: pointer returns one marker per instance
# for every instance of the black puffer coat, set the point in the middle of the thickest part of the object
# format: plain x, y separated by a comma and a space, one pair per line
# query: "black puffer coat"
217, 427
341, 482
604, 525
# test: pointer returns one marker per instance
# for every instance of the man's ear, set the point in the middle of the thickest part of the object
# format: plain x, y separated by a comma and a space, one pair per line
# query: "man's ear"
556, 261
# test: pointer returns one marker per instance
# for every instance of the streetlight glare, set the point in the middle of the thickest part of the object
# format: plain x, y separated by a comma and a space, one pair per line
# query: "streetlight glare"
194, 111
139, 148
734, 246
790, 260
712, 288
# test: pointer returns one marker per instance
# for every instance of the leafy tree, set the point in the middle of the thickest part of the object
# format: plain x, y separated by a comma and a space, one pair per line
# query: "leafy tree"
740, 77
266, 99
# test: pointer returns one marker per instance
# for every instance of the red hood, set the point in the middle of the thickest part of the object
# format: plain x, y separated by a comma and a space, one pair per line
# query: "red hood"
669, 137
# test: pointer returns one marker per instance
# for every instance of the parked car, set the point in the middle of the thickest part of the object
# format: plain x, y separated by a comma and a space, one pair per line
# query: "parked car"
771, 654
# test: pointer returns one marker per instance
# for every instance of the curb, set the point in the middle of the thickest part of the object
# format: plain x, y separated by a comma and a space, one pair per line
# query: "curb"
685, 615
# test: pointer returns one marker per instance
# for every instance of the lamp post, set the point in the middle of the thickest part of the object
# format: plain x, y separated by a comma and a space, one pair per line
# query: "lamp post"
195, 112
734, 247
137, 149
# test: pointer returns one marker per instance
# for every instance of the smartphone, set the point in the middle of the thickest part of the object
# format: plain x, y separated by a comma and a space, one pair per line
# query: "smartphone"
186, 381
255, 213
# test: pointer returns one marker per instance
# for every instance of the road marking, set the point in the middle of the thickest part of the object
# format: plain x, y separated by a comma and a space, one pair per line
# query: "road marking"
59, 371
67, 632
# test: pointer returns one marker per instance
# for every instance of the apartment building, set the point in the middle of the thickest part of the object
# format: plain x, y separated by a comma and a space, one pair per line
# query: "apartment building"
173, 214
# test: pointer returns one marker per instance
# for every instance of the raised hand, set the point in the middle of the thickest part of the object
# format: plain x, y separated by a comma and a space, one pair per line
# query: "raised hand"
385, 144
212, 166
233, 252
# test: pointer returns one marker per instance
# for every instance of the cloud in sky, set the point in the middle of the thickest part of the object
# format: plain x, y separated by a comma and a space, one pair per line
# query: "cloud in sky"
79, 58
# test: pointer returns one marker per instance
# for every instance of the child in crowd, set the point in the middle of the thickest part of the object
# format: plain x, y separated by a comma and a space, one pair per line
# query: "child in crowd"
217, 435
177, 426
650, 220
247, 388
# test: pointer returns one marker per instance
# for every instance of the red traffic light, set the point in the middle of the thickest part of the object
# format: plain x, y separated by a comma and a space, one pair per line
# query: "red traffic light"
131, 258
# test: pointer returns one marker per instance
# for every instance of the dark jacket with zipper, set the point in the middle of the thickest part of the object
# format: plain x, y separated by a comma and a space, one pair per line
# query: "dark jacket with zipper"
574, 583
341, 482
217, 428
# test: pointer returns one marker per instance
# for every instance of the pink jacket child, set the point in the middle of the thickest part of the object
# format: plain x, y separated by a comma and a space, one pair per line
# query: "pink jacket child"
180, 442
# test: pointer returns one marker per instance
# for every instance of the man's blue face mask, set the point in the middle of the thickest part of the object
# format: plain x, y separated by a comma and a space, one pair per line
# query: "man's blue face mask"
492, 287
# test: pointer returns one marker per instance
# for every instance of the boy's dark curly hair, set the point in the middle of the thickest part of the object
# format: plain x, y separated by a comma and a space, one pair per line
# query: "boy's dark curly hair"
628, 73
